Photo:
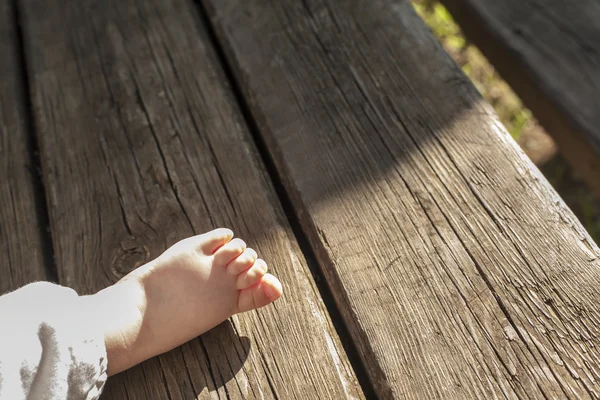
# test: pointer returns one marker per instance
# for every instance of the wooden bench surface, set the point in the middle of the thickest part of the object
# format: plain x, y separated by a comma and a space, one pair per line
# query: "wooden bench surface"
21, 226
142, 145
549, 51
457, 270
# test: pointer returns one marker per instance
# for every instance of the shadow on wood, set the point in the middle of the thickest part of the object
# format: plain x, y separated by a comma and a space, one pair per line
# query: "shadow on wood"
225, 349
24, 252
458, 270
142, 144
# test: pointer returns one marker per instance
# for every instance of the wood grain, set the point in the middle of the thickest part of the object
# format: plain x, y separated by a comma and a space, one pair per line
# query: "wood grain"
22, 259
458, 270
549, 53
142, 145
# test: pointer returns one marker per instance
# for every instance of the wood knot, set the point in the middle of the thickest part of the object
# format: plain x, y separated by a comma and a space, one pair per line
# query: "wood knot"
129, 256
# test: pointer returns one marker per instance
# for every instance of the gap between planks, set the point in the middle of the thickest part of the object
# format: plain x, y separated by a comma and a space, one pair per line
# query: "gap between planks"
290, 213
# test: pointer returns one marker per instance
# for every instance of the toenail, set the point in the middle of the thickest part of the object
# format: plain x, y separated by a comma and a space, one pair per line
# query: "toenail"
270, 292
252, 253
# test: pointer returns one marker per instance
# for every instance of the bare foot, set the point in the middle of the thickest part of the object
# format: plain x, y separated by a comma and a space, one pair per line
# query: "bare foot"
192, 287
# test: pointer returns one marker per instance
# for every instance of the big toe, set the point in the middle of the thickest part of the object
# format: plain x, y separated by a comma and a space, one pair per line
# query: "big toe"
213, 240
263, 293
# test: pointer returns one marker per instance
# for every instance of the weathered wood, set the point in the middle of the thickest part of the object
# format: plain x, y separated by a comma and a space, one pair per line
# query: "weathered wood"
142, 145
22, 259
549, 52
458, 270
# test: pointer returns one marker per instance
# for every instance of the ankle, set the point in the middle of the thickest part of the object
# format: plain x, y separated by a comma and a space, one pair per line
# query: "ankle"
119, 310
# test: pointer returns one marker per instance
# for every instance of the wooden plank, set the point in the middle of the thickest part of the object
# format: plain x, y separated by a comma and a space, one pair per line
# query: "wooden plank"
549, 53
142, 145
458, 270
20, 239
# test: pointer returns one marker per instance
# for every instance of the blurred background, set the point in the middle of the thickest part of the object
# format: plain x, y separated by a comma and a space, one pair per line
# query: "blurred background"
519, 121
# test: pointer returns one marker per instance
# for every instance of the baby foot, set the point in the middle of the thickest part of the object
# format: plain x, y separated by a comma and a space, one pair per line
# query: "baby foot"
192, 287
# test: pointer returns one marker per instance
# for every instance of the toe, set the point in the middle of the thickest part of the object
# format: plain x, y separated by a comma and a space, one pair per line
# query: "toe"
242, 262
251, 276
229, 251
265, 292
213, 240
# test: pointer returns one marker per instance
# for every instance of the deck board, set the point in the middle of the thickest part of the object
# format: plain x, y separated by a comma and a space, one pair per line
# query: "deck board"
458, 270
21, 244
549, 53
142, 144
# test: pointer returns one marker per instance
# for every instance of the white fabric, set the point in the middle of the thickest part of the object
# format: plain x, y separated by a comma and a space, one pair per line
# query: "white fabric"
49, 348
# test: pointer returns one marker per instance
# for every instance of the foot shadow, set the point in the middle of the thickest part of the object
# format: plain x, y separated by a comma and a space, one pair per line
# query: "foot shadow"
200, 368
